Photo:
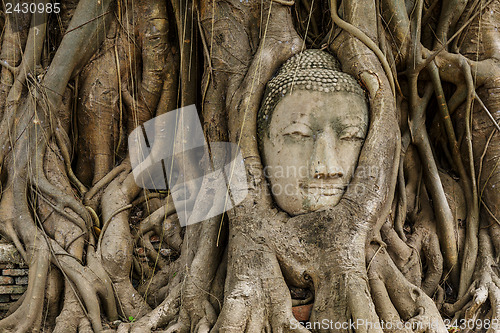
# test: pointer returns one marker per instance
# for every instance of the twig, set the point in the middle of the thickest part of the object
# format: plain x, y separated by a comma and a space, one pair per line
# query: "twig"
429, 59
487, 111
285, 2
481, 160
89, 21
67, 163
105, 180
106, 224
12, 69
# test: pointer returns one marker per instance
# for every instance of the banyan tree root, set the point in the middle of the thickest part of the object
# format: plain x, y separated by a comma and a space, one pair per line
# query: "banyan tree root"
399, 301
472, 308
109, 90
233, 273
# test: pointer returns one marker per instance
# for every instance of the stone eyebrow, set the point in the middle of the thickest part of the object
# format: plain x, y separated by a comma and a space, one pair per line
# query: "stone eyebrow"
350, 120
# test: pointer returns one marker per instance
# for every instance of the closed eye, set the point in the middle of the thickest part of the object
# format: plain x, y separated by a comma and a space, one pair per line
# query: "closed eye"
352, 133
298, 130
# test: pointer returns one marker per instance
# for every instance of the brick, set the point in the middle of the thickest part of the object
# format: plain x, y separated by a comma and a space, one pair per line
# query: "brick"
6, 280
4, 298
9, 254
15, 272
302, 312
5, 306
4, 266
22, 280
12, 289
15, 297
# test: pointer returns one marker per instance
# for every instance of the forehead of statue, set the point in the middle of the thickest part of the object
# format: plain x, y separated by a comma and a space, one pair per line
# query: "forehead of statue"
317, 109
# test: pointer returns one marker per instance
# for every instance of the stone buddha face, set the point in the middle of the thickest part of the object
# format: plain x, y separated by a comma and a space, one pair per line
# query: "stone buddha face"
311, 141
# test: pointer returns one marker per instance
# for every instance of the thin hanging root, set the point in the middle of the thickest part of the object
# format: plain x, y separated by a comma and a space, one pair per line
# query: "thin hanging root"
476, 96
366, 40
95, 217
285, 2
468, 181
444, 216
104, 181
458, 97
188, 50
402, 205
67, 162
12, 69
451, 11
431, 56
32, 54
60, 210
108, 221
40, 181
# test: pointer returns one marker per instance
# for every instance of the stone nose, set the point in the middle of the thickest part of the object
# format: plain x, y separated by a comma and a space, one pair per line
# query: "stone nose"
324, 160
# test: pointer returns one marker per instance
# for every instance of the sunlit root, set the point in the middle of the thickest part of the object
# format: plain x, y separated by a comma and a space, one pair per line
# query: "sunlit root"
400, 300
115, 244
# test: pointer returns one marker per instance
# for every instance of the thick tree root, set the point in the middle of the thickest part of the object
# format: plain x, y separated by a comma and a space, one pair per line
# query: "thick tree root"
400, 300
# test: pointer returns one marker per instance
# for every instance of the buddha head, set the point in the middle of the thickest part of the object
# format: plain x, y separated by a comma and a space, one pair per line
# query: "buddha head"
311, 128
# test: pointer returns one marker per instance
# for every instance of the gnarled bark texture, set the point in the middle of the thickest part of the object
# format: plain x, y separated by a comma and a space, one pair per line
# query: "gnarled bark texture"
416, 250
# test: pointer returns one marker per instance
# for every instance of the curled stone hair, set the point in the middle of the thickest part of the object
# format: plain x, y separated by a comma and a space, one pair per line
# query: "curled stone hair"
310, 70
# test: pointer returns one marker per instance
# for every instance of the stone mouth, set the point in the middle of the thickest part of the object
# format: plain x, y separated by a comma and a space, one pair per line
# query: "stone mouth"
322, 188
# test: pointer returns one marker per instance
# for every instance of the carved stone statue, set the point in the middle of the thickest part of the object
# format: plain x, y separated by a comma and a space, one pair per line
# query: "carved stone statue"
311, 127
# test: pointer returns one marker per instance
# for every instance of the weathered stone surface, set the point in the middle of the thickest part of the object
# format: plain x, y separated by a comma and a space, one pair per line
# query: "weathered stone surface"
22, 280
15, 272
5, 306
12, 289
10, 255
6, 280
4, 298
